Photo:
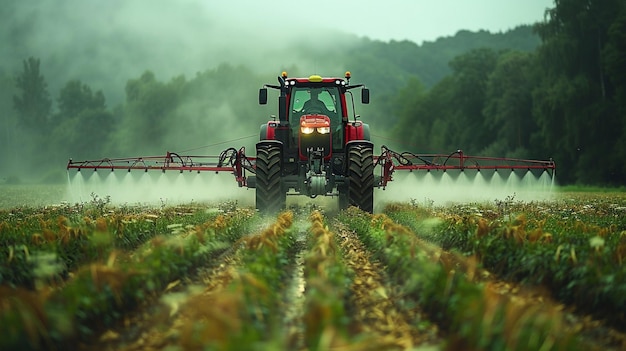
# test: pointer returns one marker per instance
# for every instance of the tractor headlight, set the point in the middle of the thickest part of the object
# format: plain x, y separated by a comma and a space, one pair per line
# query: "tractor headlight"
311, 124
323, 130
310, 130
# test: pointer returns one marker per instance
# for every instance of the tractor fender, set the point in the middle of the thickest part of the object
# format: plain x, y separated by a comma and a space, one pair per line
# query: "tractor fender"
366, 132
271, 130
268, 131
357, 131
263, 134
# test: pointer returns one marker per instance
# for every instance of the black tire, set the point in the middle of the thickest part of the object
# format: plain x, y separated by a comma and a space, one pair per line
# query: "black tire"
270, 197
361, 177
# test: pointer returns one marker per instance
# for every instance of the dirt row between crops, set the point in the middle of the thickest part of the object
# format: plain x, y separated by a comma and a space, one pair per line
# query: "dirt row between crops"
376, 304
158, 322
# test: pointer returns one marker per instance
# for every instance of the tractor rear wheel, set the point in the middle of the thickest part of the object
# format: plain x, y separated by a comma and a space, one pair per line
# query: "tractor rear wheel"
270, 197
361, 177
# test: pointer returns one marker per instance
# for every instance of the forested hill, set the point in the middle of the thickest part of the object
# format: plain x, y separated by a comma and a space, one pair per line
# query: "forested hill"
385, 64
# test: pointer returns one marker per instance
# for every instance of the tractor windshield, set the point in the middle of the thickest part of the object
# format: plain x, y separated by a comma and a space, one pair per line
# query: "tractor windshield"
322, 100
315, 100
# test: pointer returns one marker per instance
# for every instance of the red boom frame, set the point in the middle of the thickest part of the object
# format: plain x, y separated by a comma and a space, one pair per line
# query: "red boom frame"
229, 160
391, 161
237, 163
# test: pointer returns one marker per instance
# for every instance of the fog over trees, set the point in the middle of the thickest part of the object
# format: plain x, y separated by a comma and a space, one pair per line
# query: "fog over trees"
83, 80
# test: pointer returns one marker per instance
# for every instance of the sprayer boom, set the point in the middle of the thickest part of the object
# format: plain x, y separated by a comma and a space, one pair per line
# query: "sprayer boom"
230, 160
236, 162
391, 161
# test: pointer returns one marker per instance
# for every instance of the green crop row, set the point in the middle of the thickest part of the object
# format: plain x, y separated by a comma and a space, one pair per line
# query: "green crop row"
326, 319
98, 294
266, 264
43, 247
473, 316
580, 262
246, 315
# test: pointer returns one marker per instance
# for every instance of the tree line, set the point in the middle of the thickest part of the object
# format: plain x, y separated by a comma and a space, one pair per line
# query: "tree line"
566, 100
181, 113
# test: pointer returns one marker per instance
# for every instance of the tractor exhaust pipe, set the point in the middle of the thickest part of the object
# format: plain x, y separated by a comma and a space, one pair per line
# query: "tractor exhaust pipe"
282, 100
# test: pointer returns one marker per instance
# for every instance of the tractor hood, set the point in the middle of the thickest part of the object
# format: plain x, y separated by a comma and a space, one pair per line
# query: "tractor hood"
315, 132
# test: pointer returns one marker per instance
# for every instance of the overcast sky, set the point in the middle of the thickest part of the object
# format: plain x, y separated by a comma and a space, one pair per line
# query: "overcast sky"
414, 20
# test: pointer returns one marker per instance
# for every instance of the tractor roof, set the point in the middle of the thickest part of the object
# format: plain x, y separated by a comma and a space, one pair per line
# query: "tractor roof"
317, 80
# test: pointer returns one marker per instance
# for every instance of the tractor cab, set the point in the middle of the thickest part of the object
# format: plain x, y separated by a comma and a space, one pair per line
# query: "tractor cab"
315, 103
303, 98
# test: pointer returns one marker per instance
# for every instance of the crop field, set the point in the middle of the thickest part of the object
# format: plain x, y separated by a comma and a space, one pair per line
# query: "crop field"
499, 275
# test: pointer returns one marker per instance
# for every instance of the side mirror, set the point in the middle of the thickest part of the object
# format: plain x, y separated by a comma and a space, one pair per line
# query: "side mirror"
262, 96
365, 96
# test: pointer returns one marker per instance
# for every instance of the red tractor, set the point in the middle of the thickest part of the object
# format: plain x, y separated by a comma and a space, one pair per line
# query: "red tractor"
316, 148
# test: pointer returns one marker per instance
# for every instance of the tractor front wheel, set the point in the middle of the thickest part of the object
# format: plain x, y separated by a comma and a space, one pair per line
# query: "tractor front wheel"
361, 177
270, 197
